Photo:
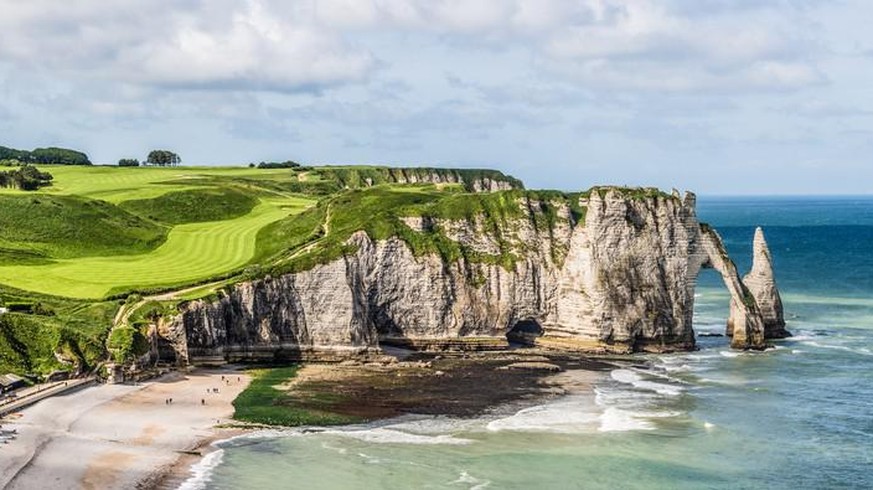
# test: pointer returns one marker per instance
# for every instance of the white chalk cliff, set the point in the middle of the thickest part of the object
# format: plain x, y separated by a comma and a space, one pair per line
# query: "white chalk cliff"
762, 285
619, 278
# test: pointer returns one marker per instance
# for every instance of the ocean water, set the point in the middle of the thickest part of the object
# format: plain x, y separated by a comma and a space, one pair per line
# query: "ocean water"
798, 416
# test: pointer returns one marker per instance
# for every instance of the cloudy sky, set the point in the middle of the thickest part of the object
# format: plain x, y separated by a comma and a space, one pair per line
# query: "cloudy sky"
717, 96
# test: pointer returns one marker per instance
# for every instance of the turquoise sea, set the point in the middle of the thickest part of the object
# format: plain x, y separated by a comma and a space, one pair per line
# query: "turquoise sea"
795, 417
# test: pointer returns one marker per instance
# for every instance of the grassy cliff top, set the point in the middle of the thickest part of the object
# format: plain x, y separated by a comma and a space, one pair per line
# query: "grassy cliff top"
381, 212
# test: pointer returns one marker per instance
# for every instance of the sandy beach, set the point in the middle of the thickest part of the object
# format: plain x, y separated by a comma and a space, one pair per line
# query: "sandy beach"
118, 436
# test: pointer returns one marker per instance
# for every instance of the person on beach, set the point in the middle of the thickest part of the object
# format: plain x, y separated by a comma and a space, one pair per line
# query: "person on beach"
202, 401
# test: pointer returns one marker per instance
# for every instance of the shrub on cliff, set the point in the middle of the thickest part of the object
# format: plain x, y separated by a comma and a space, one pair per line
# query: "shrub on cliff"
126, 344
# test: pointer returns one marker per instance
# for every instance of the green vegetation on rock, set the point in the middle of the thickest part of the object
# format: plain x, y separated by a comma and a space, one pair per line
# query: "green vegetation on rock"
354, 177
127, 343
633, 192
59, 335
380, 212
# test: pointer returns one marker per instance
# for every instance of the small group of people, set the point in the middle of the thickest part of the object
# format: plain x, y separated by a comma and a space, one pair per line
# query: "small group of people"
168, 401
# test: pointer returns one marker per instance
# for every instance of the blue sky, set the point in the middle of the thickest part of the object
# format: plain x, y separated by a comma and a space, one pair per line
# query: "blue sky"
716, 96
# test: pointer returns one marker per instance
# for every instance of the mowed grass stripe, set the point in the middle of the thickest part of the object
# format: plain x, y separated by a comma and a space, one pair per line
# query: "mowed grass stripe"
192, 252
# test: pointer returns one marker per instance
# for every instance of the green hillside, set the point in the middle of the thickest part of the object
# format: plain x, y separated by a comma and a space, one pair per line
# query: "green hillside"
71, 253
194, 206
54, 227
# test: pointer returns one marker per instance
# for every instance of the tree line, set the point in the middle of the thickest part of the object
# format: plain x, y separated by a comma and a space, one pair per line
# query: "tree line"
45, 156
160, 158
285, 164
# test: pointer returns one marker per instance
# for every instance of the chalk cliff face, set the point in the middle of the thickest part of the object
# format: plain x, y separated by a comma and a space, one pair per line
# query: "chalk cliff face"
620, 280
762, 285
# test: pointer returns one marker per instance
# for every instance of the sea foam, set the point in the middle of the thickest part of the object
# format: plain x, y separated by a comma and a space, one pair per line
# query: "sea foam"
617, 420
574, 414
201, 473
466, 479
636, 380
390, 436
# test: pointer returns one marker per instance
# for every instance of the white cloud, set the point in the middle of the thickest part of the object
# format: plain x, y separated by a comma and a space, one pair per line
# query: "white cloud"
759, 45
304, 45
255, 51
214, 44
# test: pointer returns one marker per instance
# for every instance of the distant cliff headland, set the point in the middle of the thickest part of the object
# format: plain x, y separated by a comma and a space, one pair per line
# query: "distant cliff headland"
185, 265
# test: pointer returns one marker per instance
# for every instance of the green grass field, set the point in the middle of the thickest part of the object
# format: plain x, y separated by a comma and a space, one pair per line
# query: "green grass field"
192, 252
103, 230
50, 226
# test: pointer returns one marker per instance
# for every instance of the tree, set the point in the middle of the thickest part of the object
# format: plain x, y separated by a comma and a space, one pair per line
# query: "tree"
46, 156
285, 164
163, 158
58, 156
128, 162
26, 178
13, 154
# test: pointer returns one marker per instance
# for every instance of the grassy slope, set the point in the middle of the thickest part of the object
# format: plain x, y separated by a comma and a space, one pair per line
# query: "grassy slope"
194, 206
191, 253
76, 329
71, 226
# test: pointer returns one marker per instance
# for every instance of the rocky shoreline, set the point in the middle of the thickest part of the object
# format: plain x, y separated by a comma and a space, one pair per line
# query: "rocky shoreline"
459, 385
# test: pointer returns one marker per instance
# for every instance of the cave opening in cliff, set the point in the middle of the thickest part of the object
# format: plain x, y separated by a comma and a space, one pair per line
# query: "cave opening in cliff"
524, 333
